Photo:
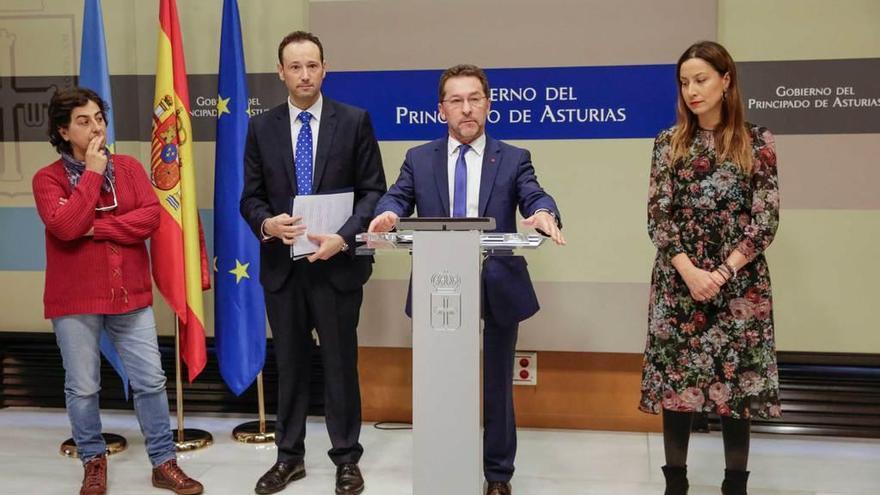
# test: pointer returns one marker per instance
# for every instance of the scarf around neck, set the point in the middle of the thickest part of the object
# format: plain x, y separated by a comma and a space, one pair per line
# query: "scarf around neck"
75, 168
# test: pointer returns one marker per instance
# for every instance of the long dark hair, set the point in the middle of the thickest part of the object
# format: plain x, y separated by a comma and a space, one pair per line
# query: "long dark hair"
732, 140
60, 109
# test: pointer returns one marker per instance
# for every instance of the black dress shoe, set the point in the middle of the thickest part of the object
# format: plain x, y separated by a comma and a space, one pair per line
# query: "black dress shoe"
278, 476
349, 480
498, 488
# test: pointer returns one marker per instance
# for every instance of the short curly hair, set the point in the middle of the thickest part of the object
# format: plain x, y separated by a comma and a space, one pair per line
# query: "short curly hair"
61, 108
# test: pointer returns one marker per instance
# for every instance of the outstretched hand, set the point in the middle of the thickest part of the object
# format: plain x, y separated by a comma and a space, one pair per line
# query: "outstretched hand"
545, 223
384, 222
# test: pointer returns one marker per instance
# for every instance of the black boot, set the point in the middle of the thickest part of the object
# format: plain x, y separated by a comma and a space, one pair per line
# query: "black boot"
676, 480
735, 482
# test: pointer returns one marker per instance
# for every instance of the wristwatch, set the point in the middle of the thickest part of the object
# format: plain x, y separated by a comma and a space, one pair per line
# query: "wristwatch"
344, 247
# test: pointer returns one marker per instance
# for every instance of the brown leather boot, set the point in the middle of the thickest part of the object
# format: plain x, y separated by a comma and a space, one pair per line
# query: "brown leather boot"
168, 475
95, 477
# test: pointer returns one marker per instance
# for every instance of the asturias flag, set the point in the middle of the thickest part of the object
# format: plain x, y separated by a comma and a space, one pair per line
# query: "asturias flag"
239, 310
180, 264
95, 75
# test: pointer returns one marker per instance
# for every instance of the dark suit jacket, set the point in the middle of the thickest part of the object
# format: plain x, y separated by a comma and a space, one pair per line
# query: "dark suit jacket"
347, 158
507, 182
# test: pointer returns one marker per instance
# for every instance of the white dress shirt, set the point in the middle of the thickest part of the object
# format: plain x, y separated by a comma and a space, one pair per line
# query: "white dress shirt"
296, 125
474, 161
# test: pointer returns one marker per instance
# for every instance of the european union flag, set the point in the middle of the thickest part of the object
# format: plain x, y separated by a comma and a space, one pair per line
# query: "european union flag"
94, 74
239, 310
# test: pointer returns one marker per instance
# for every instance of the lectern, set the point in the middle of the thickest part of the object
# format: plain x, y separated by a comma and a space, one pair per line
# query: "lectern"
446, 265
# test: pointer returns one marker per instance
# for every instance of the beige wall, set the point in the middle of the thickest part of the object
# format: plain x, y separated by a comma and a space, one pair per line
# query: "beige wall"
594, 291
822, 265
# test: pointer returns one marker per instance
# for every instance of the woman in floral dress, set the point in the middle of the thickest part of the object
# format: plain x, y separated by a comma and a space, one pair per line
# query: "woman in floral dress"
712, 211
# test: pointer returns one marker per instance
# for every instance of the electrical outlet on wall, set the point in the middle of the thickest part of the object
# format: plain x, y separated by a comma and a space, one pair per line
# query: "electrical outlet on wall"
525, 368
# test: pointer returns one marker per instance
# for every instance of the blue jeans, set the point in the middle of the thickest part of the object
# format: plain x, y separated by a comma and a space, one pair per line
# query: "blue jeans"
134, 336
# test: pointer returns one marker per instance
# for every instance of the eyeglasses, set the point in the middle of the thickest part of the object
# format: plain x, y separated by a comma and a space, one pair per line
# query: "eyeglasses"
115, 203
473, 101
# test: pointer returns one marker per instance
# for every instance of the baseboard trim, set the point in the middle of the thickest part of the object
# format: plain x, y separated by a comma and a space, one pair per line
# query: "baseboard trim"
829, 394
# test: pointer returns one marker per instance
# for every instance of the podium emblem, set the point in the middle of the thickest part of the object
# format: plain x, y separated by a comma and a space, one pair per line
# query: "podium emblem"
446, 301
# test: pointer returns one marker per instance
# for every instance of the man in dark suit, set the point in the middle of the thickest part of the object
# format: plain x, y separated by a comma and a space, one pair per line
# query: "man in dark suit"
312, 144
469, 174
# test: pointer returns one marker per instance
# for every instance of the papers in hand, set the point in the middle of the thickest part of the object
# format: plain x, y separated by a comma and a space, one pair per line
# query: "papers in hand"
321, 214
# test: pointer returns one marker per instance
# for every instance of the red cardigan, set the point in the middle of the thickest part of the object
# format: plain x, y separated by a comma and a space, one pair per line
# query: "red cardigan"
107, 272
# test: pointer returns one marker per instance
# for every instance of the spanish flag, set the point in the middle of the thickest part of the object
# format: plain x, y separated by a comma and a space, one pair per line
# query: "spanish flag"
180, 264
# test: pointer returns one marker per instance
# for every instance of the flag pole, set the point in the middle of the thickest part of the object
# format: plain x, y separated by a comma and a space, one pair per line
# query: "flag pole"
178, 380
260, 431
185, 438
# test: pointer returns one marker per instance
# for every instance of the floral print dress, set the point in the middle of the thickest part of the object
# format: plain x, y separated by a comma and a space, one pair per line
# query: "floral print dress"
717, 355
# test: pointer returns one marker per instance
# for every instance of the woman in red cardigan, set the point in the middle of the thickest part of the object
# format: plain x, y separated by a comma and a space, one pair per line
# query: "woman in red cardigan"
98, 209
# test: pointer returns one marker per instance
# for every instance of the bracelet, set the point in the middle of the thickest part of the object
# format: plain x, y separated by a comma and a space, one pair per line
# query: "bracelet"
725, 271
730, 267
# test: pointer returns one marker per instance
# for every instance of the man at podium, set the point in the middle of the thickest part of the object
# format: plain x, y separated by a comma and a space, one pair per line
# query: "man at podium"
469, 174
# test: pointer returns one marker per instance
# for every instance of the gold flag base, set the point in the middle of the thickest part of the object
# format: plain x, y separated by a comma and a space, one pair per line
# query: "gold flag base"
251, 432
185, 439
193, 439
260, 431
115, 444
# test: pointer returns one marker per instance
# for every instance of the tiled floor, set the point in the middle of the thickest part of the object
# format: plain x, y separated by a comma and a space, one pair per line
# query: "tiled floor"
550, 462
